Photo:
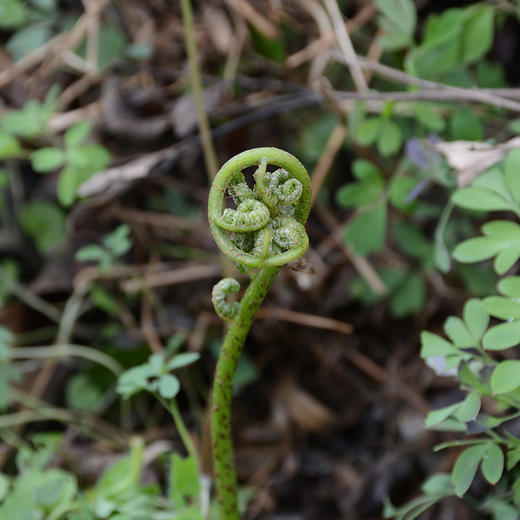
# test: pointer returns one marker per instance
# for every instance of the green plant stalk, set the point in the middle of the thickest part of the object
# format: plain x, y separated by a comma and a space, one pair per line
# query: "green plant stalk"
264, 233
184, 434
210, 157
67, 350
224, 468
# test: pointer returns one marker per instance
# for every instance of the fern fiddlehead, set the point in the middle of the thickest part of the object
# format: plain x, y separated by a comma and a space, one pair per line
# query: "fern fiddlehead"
264, 232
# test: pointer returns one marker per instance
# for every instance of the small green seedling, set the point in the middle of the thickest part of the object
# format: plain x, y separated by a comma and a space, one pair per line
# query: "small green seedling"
114, 245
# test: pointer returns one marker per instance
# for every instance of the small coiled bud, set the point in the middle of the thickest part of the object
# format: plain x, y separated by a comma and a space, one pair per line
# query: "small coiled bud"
284, 189
226, 311
250, 215
288, 234
239, 190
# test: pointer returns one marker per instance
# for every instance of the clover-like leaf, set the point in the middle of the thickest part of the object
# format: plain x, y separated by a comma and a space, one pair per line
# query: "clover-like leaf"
169, 386
182, 360
501, 240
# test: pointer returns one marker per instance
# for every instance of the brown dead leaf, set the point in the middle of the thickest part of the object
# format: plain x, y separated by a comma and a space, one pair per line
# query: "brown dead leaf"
219, 28
184, 112
471, 158
304, 409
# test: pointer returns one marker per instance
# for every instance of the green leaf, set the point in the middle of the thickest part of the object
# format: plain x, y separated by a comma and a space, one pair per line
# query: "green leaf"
369, 130
506, 377
400, 19
4, 486
428, 117
44, 222
477, 198
28, 39
314, 135
438, 485
83, 162
503, 308
437, 416
77, 133
54, 488
364, 192
516, 491
503, 511
400, 189
67, 185
466, 125
478, 31
83, 394
32, 119
169, 386
47, 159
175, 342
271, 48
441, 48
513, 457
135, 380
9, 146
118, 242
359, 194
182, 360
500, 337
444, 27
475, 250
494, 180
503, 240
156, 364
104, 300
366, 171
89, 253
469, 408
14, 13
490, 74
367, 230
510, 286
476, 317
90, 158
411, 240
390, 139
459, 334
409, 298
184, 480
466, 467
512, 173
111, 45
514, 126
124, 474
506, 258
493, 463
433, 345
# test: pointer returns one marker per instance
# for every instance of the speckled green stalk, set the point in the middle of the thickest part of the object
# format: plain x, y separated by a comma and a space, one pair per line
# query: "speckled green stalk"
223, 464
256, 242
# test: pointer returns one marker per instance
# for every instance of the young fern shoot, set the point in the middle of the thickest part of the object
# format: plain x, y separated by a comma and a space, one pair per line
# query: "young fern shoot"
262, 234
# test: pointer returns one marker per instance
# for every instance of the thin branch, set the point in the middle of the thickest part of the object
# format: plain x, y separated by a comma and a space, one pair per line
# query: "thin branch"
210, 157
345, 45
401, 77
322, 43
333, 146
30, 298
424, 95
59, 351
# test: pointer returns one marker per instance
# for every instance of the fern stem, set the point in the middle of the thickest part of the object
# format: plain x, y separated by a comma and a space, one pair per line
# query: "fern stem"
224, 468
